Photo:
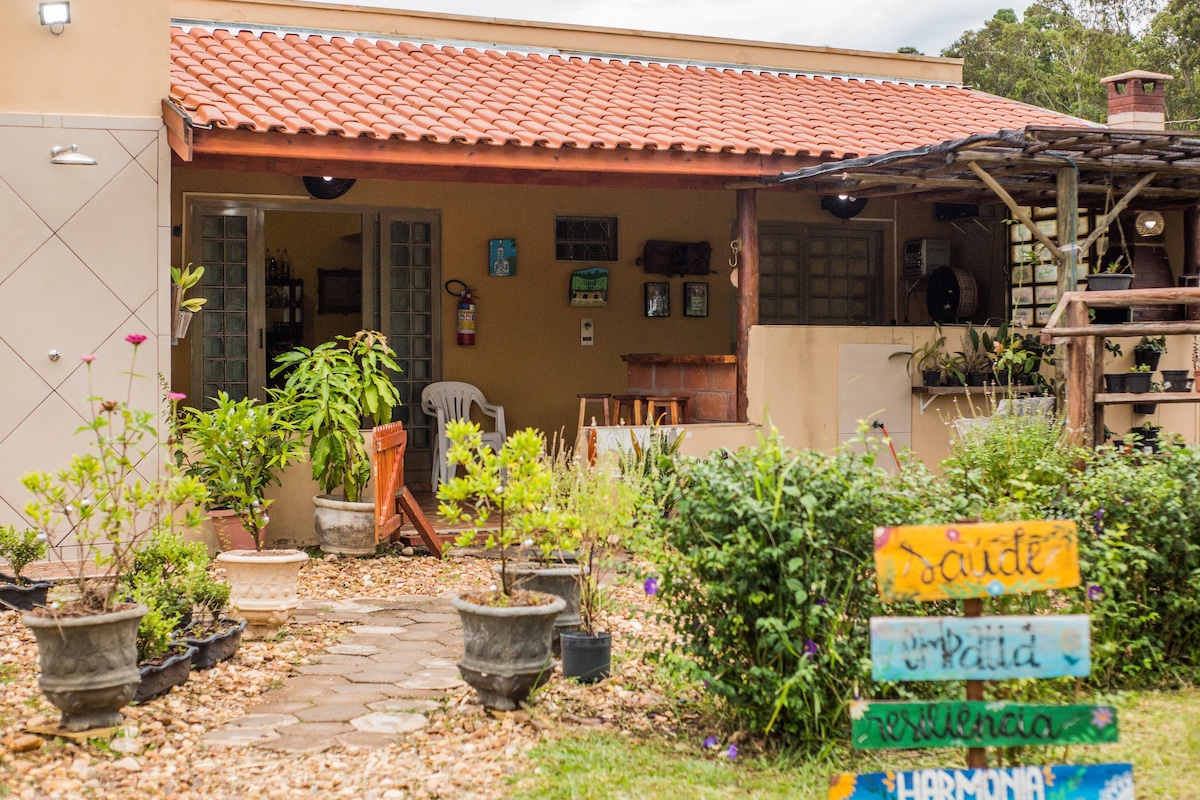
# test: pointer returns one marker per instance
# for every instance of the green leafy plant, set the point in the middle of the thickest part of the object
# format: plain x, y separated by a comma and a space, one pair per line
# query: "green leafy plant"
1113, 267
1113, 348
927, 357
329, 390
1151, 344
238, 449
1141, 368
187, 278
515, 484
21, 548
104, 503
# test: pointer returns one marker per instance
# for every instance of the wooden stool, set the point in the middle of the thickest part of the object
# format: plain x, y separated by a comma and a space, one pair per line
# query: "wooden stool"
584, 399
636, 402
674, 405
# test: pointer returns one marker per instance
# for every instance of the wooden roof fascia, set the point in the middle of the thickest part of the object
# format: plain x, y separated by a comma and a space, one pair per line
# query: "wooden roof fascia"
179, 129
337, 149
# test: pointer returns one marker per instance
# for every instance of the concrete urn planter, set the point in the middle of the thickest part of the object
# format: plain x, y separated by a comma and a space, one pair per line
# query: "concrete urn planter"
560, 581
507, 650
262, 587
88, 665
343, 527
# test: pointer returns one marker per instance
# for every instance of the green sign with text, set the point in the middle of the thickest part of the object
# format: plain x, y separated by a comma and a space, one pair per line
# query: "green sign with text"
881, 725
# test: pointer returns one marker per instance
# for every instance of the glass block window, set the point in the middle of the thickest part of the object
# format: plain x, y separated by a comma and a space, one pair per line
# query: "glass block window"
1033, 274
585, 238
810, 275
224, 321
408, 247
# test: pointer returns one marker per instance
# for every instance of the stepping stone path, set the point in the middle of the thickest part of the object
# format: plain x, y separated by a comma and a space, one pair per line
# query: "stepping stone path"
396, 659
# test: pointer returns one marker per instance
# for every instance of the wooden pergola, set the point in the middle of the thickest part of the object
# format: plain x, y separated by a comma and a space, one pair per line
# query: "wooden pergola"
1105, 168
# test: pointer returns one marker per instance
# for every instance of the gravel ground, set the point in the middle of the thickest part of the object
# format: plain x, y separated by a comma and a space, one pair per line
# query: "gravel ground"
464, 752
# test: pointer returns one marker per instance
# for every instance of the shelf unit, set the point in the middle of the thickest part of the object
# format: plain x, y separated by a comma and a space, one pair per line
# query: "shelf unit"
1069, 326
934, 392
284, 318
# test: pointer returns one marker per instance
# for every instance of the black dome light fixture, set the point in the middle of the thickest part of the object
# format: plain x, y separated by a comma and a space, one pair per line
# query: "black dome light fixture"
326, 188
843, 206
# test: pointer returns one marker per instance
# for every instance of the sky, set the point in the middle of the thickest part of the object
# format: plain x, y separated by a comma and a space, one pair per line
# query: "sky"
884, 25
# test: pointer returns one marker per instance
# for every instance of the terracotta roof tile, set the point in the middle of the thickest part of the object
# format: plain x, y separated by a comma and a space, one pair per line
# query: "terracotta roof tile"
421, 91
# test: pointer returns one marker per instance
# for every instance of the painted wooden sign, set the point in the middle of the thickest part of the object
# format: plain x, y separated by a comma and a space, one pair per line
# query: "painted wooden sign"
1090, 782
974, 724
980, 648
941, 562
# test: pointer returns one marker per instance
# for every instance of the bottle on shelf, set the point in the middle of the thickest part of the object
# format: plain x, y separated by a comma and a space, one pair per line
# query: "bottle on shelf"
285, 265
272, 267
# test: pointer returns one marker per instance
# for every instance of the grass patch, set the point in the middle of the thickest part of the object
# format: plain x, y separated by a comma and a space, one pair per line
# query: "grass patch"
1158, 736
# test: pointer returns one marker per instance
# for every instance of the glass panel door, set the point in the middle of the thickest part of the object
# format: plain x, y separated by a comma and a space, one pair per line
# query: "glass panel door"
410, 309
229, 347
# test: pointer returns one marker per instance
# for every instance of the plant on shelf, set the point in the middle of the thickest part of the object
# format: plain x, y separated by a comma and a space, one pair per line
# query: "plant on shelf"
927, 359
330, 390
1114, 382
975, 357
1149, 351
87, 647
1137, 380
238, 449
507, 631
1115, 266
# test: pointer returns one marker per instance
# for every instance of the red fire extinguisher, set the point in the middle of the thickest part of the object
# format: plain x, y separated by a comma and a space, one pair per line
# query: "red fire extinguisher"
466, 311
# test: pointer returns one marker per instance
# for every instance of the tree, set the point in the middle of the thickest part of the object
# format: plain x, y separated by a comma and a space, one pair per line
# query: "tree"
1172, 46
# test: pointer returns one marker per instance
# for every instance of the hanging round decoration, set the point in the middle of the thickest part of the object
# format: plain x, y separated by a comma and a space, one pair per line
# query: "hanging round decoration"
1149, 223
843, 206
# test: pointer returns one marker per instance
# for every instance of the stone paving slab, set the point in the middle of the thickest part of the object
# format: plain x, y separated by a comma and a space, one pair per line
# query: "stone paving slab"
365, 740
401, 704
332, 712
390, 722
354, 650
379, 630
307, 737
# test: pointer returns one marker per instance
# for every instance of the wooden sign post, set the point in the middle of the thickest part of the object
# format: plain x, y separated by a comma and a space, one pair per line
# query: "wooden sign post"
971, 561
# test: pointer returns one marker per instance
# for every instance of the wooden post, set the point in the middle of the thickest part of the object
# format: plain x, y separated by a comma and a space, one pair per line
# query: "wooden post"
747, 231
1081, 378
1068, 218
976, 756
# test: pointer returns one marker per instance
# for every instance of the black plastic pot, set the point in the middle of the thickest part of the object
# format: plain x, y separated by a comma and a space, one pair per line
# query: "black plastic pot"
1137, 382
219, 646
1148, 358
976, 378
1114, 382
158, 679
1176, 380
931, 377
584, 657
23, 597
1145, 408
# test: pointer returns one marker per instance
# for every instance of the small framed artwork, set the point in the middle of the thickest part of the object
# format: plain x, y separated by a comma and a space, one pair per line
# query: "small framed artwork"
339, 291
1022, 295
658, 299
1046, 294
1043, 273
502, 258
695, 299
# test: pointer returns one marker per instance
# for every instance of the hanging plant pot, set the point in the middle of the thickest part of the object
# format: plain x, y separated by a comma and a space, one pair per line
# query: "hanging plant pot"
1176, 380
586, 657
217, 646
23, 596
1148, 358
1114, 382
158, 679
1144, 408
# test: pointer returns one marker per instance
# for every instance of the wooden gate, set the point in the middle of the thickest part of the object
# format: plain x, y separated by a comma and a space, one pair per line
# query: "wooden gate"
392, 498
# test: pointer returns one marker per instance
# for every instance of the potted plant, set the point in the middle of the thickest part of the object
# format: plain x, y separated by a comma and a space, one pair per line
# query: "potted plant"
1148, 408
215, 635
1137, 380
20, 549
506, 630
1176, 380
1146, 437
927, 359
330, 389
1109, 276
87, 654
1114, 382
1149, 351
183, 307
237, 449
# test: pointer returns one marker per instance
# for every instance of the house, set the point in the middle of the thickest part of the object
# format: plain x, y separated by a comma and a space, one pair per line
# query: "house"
340, 167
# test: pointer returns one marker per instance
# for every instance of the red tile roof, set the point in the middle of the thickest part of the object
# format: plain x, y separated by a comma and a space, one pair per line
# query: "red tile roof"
412, 92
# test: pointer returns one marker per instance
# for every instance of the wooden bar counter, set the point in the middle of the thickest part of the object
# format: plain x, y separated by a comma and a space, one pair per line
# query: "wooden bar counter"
709, 382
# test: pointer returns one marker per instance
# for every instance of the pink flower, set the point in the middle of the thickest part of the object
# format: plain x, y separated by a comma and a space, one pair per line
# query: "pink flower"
135, 338
952, 534
176, 396
89, 358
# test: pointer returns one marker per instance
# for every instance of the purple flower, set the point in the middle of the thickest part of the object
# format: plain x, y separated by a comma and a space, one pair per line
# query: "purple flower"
651, 586
1095, 593
709, 743
1099, 514
1102, 717
732, 751
821, 601
135, 338
810, 648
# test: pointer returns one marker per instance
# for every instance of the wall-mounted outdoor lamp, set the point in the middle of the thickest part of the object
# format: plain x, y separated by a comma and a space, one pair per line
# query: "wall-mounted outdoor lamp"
71, 155
843, 206
326, 187
55, 15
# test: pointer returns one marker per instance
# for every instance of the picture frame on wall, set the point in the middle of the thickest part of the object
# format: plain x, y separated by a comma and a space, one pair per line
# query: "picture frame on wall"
657, 298
695, 299
502, 258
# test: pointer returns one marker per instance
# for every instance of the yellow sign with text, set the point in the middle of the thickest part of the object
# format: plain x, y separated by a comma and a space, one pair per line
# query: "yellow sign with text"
951, 562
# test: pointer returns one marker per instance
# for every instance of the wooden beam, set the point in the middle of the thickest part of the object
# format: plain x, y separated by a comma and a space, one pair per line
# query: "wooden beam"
1165, 296
1128, 147
1067, 193
1126, 330
747, 227
992, 184
179, 130
335, 150
1050, 162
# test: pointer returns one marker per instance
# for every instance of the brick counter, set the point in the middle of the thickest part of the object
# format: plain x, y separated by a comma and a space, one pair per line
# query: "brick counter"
710, 382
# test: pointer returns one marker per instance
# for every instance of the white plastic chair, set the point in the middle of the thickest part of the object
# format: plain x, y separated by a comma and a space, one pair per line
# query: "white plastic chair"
452, 400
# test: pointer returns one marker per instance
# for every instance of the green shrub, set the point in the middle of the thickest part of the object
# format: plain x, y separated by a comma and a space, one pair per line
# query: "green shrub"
767, 579
21, 548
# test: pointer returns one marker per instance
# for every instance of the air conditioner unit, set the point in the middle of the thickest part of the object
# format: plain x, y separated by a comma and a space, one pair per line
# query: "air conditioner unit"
923, 256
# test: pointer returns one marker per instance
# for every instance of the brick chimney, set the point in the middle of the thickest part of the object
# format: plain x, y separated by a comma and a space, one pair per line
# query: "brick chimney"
1136, 100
